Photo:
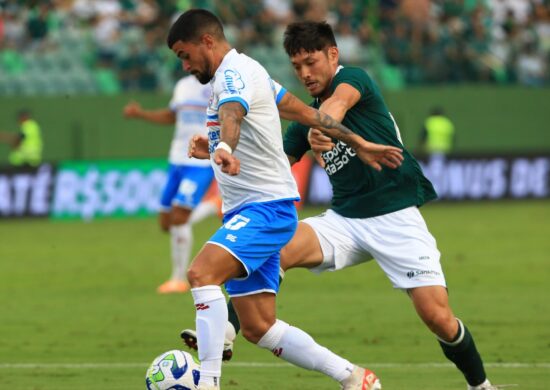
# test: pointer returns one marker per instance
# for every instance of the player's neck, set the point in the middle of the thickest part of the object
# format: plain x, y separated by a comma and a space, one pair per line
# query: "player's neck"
220, 51
326, 93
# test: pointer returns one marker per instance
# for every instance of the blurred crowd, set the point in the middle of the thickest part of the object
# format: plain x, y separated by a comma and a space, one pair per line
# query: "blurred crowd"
113, 45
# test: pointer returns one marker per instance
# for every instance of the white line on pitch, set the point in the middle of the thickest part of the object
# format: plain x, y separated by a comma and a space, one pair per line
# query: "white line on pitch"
24, 366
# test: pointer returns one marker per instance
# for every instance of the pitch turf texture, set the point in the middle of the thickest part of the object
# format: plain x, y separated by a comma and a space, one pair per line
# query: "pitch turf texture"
79, 308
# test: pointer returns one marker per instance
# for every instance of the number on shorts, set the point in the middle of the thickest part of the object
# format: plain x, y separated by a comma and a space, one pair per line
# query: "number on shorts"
237, 222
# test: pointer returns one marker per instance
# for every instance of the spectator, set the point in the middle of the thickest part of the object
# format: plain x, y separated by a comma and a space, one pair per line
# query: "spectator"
26, 145
438, 134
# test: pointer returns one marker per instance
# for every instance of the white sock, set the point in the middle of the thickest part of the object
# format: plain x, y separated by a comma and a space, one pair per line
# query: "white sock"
181, 240
202, 211
297, 347
210, 321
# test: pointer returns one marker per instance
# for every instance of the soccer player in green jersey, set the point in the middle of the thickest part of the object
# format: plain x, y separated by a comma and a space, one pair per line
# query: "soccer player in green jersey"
374, 214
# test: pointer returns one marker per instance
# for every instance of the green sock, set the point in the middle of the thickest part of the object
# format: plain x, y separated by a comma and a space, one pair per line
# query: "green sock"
463, 353
232, 314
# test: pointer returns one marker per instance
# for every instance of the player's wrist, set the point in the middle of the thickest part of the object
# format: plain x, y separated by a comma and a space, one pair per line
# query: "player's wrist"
224, 146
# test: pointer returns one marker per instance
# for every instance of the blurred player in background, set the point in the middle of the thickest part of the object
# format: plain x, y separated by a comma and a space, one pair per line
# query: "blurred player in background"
258, 191
188, 179
374, 214
26, 145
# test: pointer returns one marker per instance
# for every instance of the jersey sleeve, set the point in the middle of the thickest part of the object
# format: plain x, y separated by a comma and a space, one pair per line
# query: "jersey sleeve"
356, 77
295, 142
278, 91
233, 86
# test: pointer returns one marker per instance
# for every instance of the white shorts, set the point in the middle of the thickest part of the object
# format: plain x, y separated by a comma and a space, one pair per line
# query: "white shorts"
400, 242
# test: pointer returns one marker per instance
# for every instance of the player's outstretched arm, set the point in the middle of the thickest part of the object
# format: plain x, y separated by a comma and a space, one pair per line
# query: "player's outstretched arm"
163, 116
230, 115
375, 155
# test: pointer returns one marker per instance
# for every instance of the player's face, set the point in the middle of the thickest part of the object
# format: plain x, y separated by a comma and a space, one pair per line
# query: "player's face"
194, 59
316, 69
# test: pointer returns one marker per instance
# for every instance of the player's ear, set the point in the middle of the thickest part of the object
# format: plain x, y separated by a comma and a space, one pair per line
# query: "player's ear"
207, 40
333, 54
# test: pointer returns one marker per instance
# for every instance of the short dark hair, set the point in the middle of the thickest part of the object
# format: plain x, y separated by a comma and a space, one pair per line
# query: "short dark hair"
308, 36
192, 24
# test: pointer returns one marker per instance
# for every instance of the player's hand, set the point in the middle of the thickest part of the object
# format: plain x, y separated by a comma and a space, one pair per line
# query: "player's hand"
377, 155
319, 143
198, 147
132, 110
229, 163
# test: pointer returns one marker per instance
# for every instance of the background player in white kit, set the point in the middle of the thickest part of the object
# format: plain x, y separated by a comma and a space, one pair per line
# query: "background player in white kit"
188, 179
258, 192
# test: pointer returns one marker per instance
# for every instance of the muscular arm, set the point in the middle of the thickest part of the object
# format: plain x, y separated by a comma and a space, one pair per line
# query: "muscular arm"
340, 102
163, 116
292, 108
231, 115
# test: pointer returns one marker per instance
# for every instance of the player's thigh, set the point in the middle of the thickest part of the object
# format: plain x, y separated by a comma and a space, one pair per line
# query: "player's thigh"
255, 235
303, 250
338, 245
213, 265
256, 314
404, 249
194, 183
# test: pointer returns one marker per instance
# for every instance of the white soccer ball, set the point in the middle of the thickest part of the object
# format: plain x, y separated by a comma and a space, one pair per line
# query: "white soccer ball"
173, 370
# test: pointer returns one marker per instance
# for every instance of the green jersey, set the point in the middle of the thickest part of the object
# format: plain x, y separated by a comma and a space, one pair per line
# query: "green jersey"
360, 191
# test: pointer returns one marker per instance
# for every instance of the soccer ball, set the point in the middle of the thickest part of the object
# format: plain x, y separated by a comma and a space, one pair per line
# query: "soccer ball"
173, 370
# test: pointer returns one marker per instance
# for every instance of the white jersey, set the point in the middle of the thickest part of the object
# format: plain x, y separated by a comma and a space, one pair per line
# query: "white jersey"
189, 103
265, 171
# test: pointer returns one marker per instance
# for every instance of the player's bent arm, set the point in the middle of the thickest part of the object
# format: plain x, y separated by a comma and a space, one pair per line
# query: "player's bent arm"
337, 105
292, 108
231, 115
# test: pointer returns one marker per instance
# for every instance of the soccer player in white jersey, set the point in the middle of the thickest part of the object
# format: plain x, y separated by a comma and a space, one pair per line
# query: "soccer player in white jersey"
258, 193
188, 179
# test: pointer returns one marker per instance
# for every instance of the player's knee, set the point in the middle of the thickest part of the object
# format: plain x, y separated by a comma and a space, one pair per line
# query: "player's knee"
441, 322
197, 278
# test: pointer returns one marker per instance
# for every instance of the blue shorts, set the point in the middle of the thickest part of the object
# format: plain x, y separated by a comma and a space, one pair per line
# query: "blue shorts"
255, 233
186, 185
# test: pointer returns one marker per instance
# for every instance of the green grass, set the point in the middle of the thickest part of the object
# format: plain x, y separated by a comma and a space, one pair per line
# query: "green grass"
77, 296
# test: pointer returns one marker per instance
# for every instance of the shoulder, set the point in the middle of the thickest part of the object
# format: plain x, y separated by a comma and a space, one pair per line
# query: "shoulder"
356, 77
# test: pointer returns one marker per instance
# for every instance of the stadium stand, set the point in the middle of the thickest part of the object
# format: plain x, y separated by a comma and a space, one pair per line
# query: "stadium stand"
106, 46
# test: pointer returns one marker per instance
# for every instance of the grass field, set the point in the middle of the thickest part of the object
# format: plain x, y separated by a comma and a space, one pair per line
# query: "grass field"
79, 308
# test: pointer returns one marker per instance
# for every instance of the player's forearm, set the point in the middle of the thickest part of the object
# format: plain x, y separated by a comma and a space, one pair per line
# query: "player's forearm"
332, 128
231, 115
161, 117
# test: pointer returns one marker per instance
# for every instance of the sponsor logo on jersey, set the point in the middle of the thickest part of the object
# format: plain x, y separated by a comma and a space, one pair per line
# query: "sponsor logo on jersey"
233, 81
422, 272
338, 157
